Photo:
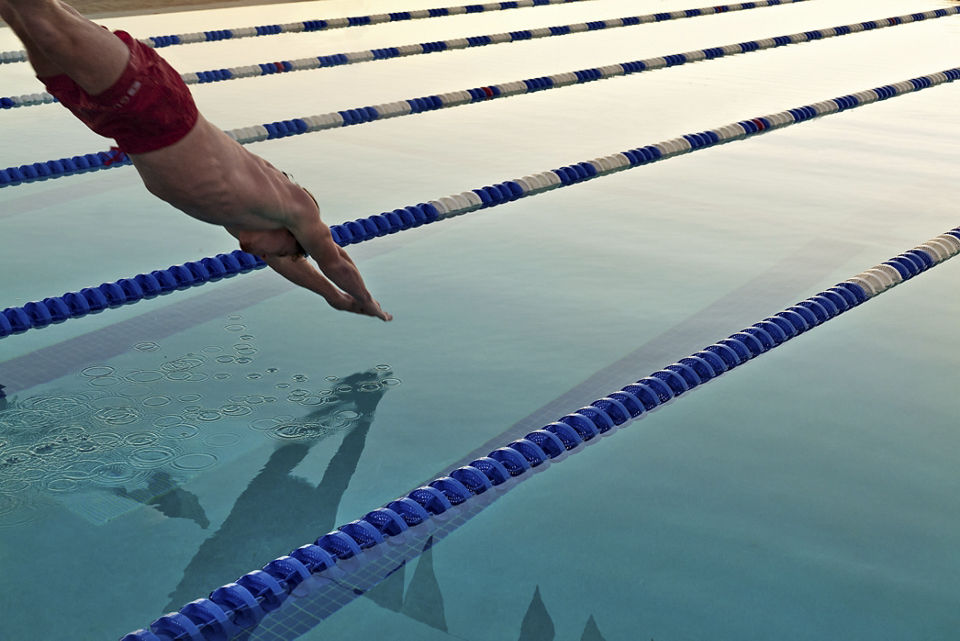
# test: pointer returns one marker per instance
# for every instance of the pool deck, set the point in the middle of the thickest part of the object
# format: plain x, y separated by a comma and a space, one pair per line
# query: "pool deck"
113, 8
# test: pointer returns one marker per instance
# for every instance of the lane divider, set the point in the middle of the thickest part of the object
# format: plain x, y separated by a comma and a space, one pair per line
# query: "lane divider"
242, 604
386, 53
327, 24
126, 291
59, 168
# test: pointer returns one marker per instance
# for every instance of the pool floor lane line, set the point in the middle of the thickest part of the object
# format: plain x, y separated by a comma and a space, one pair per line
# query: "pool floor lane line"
69, 356
318, 599
789, 277
244, 603
438, 46
319, 24
126, 291
92, 162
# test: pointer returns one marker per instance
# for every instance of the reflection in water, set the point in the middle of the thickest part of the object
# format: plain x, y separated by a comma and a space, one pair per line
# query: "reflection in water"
591, 632
537, 624
114, 437
424, 600
379, 574
388, 594
171, 500
277, 510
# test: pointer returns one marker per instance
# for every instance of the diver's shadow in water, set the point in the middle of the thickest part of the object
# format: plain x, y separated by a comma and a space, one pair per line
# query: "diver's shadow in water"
537, 624
278, 511
380, 575
169, 499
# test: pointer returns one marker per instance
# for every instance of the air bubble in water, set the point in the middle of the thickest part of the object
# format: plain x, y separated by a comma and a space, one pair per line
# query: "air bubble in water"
141, 438
114, 473
167, 420
62, 485
235, 410
194, 462
143, 376
224, 439
107, 440
96, 371
80, 470
153, 456
264, 424
180, 431
104, 381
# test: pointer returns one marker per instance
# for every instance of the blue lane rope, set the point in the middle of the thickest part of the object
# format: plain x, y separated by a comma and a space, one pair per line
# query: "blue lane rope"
52, 169
386, 53
126, 291
321, 24
241, 604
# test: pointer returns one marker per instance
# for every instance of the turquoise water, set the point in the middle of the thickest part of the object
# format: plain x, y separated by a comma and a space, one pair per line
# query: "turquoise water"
155, 452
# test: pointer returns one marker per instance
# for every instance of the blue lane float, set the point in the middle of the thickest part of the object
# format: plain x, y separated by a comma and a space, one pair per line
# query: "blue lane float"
59, 168
385, 53
39, 314
320, 24
126, 291
235, 606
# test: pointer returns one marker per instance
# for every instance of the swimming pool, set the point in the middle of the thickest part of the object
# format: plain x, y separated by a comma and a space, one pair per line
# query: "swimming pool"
809, 494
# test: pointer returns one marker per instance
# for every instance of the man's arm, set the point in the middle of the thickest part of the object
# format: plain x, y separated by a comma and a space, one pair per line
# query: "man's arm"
299, 271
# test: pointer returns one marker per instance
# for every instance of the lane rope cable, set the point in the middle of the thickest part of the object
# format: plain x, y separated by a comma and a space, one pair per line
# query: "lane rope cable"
231, 608
387, 53
320, 24
58, 168
126, 291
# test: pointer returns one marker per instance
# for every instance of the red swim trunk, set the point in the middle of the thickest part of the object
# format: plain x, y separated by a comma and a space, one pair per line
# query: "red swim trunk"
149, 107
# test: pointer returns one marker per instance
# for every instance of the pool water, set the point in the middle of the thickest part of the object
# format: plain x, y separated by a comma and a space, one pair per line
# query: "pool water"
152, 453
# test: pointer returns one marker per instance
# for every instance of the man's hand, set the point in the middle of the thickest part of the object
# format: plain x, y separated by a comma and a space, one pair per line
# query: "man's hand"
347, 303
301, 272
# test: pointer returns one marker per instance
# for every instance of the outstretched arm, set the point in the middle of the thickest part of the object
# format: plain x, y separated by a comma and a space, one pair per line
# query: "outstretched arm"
300, 271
